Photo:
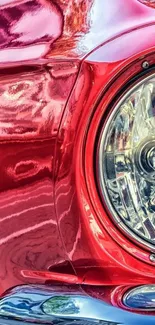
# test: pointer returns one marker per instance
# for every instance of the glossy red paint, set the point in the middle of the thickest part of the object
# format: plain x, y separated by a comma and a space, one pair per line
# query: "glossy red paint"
32, 100
53, 72
51, 276
99, 252
113, 295
150, 3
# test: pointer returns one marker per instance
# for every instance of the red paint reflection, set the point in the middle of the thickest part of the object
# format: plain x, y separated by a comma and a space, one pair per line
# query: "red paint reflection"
76, 24
30, 26
150, 3
27, 22
35, 25
32, 101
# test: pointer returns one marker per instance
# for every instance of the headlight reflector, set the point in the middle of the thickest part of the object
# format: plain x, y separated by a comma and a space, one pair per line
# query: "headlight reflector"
126, 164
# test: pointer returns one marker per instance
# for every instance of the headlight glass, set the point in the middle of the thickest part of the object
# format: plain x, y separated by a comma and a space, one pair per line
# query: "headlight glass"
126, 164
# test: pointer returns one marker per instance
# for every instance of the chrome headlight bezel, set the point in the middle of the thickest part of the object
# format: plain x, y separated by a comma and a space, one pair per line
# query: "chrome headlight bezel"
102, 142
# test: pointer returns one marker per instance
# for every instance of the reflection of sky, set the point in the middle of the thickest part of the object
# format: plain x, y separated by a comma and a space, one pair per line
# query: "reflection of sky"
141, 297
28, 24
39, 21
112, 18
39, 26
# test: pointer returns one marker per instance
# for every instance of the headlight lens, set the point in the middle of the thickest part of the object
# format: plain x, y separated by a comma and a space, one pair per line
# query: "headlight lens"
126, 164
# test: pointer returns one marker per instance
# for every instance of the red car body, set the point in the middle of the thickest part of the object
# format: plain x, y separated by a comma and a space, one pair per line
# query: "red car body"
61, 64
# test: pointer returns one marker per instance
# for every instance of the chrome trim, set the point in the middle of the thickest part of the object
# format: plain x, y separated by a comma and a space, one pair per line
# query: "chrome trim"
100, 177
141, 298
14, 322
62, 306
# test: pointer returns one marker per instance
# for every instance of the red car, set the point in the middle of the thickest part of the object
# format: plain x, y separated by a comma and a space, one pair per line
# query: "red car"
77, 162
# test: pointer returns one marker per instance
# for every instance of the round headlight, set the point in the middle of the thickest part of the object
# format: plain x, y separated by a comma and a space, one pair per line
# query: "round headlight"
126, 164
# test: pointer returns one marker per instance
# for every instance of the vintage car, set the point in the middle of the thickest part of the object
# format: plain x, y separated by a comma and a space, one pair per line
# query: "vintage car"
77, 162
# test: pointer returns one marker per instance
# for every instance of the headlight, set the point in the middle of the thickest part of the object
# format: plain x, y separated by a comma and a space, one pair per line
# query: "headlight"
126, 164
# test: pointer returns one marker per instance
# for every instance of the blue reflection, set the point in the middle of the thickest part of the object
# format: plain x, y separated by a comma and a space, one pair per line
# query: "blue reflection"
142, 297
63, 306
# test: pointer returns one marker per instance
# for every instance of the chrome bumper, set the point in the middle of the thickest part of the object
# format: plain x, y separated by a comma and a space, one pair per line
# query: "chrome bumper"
62, 305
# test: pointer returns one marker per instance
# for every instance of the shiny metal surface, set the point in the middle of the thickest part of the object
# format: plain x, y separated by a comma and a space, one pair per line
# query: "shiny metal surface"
126, 186
63, 28
51, 305
5, 321
48, 222
141, 298
65, 322
32, 100
93, 208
